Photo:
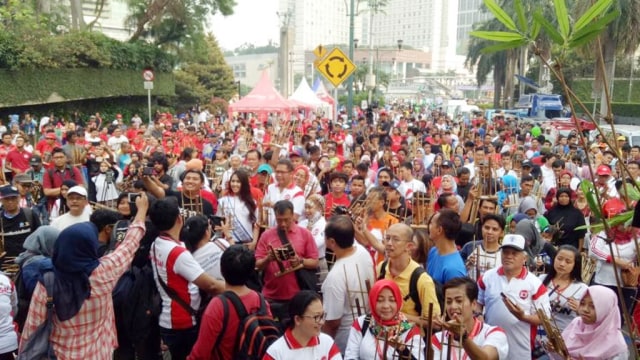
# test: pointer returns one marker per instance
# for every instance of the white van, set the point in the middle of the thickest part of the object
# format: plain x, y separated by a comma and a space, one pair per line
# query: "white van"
631, 132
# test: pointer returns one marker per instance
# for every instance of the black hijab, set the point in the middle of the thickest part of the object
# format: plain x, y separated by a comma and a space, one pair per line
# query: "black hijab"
75, 256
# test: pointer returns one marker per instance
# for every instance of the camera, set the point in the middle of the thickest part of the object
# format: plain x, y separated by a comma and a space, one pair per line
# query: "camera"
132, 197
341, 210
148, 170
109, 176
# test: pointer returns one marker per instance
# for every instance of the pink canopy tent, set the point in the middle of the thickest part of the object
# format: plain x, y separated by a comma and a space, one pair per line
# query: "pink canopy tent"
264, 99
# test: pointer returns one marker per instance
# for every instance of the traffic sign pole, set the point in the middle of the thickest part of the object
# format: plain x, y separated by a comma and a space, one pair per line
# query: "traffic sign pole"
148, 76
352, 26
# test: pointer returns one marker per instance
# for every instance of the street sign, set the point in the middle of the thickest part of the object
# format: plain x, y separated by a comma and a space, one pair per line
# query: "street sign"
148, 75
320, 52
336, 67
148, 85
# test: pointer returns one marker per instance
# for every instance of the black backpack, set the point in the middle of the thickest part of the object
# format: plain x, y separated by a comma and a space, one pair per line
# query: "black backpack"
256, 330
413, 287
137, 304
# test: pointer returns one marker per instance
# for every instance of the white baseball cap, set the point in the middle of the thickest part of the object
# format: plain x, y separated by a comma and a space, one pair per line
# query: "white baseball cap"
78, 190
513, 241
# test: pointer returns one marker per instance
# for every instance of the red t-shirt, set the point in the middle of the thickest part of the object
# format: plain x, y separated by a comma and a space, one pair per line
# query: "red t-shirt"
19, 159
330, 201
211, 327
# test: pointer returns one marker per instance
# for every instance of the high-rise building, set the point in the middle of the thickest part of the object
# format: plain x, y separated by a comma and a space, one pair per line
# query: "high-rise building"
428, 25
316, 23
469, 13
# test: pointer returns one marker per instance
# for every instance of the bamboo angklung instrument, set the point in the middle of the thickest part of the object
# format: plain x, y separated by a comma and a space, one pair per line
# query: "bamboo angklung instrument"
554, 336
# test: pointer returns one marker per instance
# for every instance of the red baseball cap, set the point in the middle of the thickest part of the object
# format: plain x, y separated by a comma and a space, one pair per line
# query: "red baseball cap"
603, 170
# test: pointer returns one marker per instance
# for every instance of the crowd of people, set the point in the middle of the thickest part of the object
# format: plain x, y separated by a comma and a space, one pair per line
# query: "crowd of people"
399, 235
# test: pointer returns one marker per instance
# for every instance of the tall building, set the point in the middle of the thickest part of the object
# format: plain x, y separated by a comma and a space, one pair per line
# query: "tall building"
315, 23
469, 13
428, 25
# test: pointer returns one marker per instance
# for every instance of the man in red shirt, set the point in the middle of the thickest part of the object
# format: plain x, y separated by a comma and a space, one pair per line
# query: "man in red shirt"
53, 178
213, 330
337, 196
46, 145
279, 290
18, 158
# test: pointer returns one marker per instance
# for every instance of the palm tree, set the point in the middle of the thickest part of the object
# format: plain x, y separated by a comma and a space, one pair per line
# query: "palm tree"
501, 63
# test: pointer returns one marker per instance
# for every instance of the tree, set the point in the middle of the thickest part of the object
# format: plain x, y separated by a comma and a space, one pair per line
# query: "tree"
203, 80
171, 20
621, 37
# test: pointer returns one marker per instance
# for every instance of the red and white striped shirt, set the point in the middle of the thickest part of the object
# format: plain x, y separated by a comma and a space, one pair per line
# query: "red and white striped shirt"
292, 193
287, 347
178, 269
481, 334
91, 334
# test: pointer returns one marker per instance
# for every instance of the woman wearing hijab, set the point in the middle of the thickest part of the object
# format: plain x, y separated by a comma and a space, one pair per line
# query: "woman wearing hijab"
33, 261
83, 325
566, 219
385, 322
595, 334
536, 247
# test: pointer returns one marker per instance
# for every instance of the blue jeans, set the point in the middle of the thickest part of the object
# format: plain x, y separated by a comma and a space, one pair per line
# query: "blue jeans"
179, 342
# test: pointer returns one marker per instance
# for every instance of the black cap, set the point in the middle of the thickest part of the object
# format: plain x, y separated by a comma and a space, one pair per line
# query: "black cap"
527, 163
447, 163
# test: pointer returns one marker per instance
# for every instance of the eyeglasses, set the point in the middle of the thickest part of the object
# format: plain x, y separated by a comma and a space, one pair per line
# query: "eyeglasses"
394, 240
317, 318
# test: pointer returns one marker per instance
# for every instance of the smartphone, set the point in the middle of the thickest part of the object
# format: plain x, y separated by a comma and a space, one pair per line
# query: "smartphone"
148, 170
217, 220
132, 197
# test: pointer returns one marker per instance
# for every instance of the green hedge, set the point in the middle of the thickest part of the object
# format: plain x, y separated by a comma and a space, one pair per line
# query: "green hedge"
27, 87
583, 89
618, 109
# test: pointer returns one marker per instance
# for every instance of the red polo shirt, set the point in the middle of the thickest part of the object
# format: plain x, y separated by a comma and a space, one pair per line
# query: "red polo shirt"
283, 288
19, 159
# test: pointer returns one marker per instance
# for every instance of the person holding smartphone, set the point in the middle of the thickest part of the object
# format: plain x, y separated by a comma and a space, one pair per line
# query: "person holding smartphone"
509, 296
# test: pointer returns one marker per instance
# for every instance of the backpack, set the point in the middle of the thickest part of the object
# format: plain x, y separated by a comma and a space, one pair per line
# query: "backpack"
38, 346
256, 331
136, 303
413, 285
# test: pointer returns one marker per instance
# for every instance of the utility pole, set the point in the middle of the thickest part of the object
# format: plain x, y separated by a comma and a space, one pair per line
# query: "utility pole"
352, 27
371, 78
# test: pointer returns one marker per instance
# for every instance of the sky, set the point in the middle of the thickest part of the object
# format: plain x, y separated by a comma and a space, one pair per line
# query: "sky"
253, 21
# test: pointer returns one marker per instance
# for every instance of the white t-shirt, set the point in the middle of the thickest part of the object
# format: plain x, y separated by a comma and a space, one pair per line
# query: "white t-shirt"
115, 142
209, 255
317, 230
599, 249
408, 188
484, 261
65, 220
481, 334
292, 193
8, 307
560, 310
178, 269
345, 288
526, 291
